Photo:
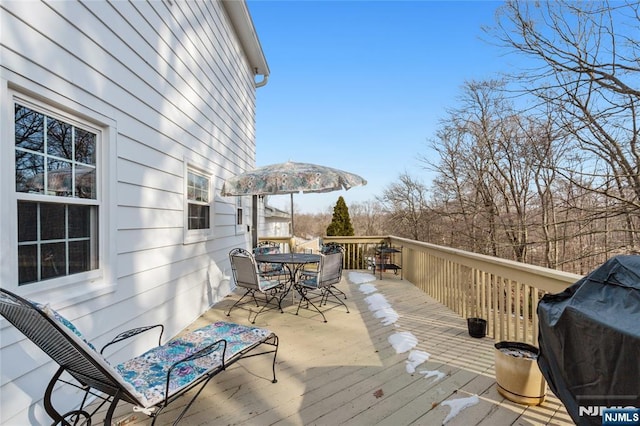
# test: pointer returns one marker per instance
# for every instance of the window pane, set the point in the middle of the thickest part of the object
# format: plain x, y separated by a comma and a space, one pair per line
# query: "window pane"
52, 221
59, 178
73, 178
85, 147
27, 263
239, 217
59, 142
85, 182
79, 256
197, 187
198, 217
53, 258
29, 133
79, 221
27, 221
29, 172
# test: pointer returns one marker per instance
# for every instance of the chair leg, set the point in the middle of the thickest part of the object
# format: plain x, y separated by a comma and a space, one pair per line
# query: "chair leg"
48, 405
339, 291
240, 300
78, 416
303, 297
327, 291
267, 301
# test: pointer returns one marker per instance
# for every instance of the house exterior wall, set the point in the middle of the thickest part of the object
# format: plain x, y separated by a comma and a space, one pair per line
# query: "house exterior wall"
168, 86
272, 222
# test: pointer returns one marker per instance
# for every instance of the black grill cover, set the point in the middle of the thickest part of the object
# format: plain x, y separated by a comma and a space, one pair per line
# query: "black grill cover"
590, 340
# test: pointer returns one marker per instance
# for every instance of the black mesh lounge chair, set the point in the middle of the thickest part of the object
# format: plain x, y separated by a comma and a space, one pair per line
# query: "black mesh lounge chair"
320, 285
246, 275
151, 381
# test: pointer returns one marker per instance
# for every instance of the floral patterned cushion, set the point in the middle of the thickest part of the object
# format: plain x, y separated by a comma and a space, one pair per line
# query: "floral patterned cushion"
267, 284
147, 373
269, 268
68, 325
72, 331
309, 281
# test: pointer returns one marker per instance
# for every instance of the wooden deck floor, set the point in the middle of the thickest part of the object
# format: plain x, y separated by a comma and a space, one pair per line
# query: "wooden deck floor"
346, 371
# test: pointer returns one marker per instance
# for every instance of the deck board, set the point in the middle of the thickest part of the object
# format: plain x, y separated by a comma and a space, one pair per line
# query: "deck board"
345, 371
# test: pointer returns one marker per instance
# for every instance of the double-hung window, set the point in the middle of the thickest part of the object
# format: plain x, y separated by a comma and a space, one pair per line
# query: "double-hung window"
56, 184
198, 208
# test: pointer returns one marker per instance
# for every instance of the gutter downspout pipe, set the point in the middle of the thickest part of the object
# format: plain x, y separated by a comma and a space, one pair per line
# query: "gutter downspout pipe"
265, 79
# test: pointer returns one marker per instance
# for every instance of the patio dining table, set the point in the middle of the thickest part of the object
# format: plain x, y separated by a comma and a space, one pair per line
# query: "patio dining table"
294, 262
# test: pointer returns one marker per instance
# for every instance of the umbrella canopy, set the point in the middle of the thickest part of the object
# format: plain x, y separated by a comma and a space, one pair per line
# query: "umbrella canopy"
289, 178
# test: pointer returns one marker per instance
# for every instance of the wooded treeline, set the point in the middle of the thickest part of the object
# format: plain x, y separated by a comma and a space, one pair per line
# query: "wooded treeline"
541, 165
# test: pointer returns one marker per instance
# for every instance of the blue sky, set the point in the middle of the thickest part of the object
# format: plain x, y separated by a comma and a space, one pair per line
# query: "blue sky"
361, 85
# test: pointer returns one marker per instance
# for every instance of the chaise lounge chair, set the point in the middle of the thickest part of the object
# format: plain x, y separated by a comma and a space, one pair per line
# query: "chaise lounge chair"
150, 381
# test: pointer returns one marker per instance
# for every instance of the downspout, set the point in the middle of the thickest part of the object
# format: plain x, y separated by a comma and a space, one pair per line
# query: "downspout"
254, 212
265, 79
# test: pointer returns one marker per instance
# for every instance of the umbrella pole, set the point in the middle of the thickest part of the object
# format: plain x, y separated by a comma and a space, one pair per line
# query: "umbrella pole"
293, 238
291, 214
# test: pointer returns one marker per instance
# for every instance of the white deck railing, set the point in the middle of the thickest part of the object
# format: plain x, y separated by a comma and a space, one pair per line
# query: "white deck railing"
503, 292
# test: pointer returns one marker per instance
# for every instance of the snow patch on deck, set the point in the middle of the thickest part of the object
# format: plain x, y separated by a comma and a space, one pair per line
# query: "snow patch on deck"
416, 358
458, 405
403, 341
439, 375
360, 277
368, 288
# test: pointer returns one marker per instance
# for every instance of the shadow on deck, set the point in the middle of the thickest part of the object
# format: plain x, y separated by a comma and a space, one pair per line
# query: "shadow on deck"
346, 371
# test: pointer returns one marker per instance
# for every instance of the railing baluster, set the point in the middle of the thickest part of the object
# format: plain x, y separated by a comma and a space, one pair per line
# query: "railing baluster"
518, 308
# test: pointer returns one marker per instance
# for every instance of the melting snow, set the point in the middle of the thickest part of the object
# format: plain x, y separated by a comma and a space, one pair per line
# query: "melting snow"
458, 405
414, 359
360, 277
403, 341
388, 315
433, 373
381, 308
368, 288
376, 301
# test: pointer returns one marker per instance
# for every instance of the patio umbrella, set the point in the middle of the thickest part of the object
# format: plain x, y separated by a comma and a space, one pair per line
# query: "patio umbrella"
290, 178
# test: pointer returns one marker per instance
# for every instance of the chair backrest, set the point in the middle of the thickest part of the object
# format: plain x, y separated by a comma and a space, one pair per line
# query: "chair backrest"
268, 247
59, 339
244, 269
329, 248
330, 269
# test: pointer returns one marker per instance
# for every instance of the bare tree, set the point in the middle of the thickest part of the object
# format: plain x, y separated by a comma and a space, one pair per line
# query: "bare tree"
367, 218
405, 203
584, 58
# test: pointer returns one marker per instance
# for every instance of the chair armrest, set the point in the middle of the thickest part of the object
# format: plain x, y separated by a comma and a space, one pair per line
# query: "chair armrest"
206, 351
133, 332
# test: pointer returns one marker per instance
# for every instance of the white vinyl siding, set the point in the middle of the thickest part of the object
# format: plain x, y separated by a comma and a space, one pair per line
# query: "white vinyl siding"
165, 80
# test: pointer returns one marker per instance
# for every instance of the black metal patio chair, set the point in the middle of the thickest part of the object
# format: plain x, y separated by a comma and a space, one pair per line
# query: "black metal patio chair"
150, 381
247, 276
276, 271
319, 286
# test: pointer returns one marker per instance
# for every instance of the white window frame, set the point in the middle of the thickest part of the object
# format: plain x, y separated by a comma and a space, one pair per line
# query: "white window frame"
197, 235
242, 225
77, 287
